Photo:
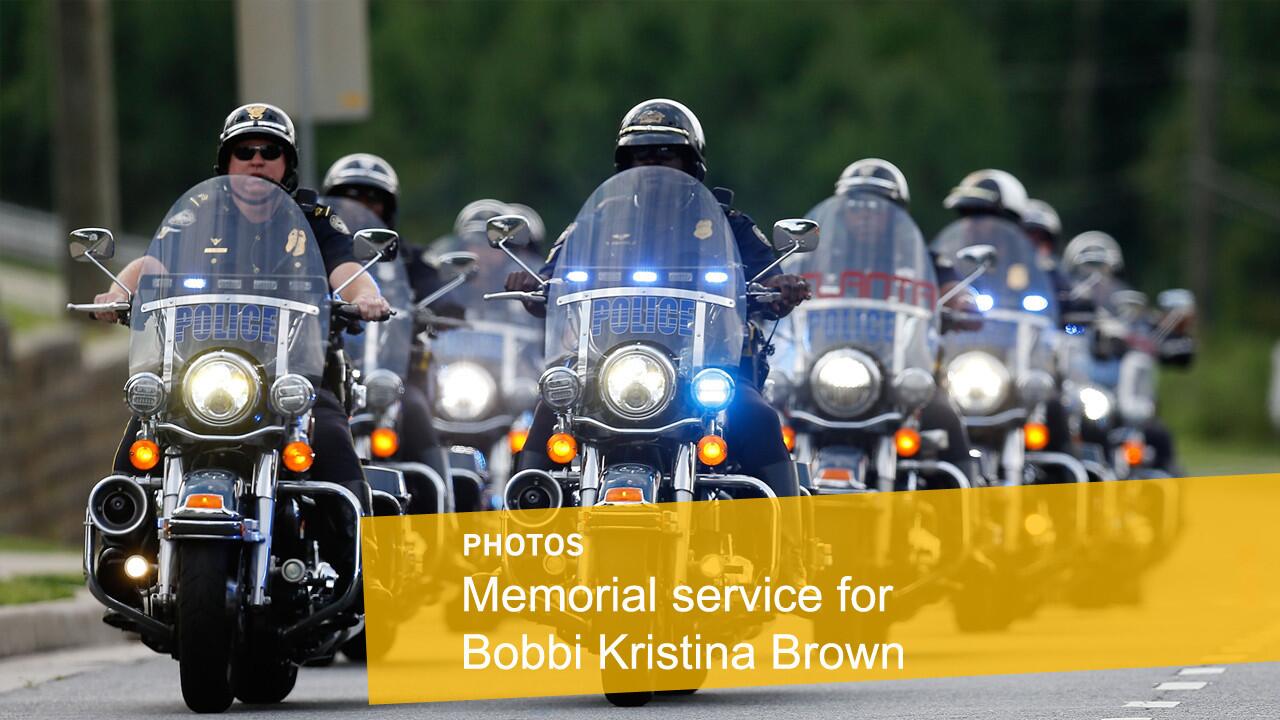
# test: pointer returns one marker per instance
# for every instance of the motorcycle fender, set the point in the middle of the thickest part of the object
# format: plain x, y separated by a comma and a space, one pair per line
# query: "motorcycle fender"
220, 483
839, 458
628, 475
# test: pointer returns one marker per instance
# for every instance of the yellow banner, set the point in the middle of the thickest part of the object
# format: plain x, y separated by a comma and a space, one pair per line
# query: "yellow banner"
939, 583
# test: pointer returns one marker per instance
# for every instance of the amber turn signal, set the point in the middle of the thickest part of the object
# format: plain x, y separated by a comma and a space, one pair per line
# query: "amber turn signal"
144, 454
516, 440
789, 437
624, 495
562, 448
384, 442
203, 501
1134, 452
712, 450
907, 441
298, 456
1036, 436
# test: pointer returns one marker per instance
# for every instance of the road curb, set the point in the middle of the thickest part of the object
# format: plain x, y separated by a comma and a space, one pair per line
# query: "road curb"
54, 625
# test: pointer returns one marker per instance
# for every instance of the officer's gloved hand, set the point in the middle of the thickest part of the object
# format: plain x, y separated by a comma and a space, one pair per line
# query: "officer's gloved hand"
521, 281
793, 289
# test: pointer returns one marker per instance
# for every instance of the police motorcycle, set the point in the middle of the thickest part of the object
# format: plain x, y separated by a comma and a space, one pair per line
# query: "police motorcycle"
1002, 377
379, 358
485, 376
645, 327
1124, 344
207, 548
852, 373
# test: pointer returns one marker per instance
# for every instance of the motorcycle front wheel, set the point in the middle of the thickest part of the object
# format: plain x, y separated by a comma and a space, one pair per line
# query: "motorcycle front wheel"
205, 627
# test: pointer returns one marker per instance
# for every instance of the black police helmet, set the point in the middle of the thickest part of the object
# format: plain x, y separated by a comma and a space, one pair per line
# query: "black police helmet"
365, 171
260, 120
662, 122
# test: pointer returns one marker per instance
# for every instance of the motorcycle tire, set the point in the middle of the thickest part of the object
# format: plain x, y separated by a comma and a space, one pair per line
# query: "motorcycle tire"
259, 675
205, 627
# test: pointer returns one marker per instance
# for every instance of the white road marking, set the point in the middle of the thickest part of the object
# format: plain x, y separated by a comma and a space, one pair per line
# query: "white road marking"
1153, 704
1128, 718
1181, 685
1202, 671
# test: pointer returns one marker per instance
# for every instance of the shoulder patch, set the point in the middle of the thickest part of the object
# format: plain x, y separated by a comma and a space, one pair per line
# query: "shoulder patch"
760, 236
182, 219
335, 221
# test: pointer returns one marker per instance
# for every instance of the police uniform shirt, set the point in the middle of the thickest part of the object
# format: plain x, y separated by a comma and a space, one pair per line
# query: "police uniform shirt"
753, 248
425, 279
328, 230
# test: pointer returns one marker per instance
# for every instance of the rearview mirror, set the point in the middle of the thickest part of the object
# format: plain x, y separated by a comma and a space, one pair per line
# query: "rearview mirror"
512, 230
973, 257
89, 244
368, 243
795, 235
461, 263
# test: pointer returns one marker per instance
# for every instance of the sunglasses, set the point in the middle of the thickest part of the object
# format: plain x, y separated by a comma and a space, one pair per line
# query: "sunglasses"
270, 151
656, 154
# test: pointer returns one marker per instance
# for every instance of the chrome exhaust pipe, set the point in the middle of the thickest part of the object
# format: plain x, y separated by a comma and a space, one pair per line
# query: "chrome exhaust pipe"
117, 505
531, 490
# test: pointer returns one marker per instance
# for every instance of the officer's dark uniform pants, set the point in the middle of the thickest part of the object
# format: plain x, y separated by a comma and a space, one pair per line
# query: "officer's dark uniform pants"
1160, 439
942, 414
420, 443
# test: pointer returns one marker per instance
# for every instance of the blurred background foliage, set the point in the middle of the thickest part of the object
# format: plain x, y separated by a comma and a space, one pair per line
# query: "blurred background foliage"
1087, 102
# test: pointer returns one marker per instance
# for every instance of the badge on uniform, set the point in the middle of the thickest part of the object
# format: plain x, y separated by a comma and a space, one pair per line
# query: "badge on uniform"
338, 225
702, 230
182, 219
297, 244
1018, 278
256, 111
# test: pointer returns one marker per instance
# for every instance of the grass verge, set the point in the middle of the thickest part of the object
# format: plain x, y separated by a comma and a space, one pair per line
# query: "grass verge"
38, 588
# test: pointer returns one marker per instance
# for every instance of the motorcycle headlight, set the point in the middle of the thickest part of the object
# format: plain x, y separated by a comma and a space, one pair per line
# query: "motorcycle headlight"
144, 393
220, 388
713, 389
382, 389
845, 382
978, 382
1096, 403
467, 391
637, 383
292, 395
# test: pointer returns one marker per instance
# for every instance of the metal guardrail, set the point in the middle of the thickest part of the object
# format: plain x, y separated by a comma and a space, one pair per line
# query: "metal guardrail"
35, 237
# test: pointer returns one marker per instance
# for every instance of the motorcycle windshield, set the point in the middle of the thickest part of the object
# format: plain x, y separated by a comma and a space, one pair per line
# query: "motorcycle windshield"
874, 287
649, 259
501, 343
234, 266
387, 344
1016, 298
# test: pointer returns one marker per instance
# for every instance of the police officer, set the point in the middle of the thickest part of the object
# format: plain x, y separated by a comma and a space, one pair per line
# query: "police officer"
1100, 252
665, 132
883, 178
373, 182
258, 139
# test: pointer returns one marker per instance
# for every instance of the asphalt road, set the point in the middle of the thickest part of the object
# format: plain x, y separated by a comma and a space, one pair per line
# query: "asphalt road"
127, 681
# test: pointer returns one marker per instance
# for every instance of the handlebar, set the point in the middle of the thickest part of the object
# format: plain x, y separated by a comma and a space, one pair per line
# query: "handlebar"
532, 297
118, 307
